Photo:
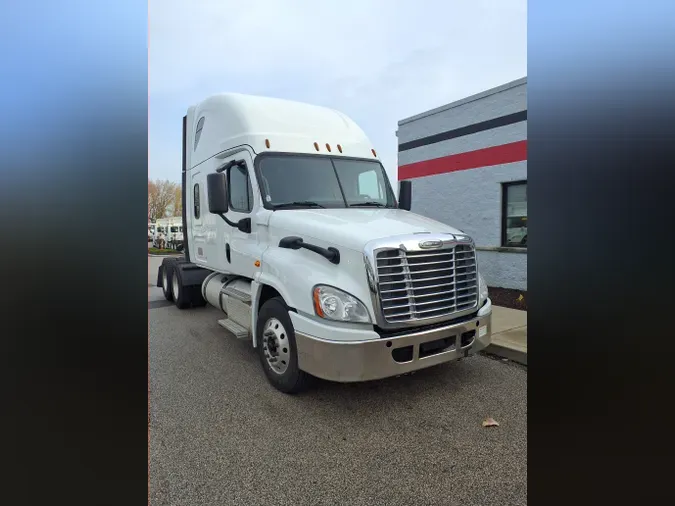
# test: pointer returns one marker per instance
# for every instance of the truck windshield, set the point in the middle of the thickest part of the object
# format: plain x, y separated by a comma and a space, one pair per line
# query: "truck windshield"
331, 182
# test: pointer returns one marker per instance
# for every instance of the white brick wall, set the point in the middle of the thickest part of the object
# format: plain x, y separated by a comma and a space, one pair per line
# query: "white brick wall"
471, 199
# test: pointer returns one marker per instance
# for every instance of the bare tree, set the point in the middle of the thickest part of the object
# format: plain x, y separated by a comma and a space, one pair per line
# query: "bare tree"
161, 194
152, 190
178, 201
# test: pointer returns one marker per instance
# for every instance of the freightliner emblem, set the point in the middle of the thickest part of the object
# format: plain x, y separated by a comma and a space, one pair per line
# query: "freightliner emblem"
431, 244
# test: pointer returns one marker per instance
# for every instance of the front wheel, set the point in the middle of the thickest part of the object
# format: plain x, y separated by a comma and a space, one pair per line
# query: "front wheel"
275, 342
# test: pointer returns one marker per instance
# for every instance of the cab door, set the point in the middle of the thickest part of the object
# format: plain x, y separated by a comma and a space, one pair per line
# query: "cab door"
203, 248
242, 249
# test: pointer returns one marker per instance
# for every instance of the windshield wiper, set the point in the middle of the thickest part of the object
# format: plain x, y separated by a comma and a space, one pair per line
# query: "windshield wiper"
368, 204
300, 203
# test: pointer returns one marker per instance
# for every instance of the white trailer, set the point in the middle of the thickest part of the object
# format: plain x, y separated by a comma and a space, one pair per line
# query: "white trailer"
293, 231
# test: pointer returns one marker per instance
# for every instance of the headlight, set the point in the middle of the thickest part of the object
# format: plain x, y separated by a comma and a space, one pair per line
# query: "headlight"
334, 304
482, 290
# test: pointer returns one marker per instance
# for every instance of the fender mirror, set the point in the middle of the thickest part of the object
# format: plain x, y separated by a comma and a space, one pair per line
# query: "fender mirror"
216, 185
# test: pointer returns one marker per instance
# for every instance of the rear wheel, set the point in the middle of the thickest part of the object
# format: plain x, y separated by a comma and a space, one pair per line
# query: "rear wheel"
275, 342
167, 279
181, 293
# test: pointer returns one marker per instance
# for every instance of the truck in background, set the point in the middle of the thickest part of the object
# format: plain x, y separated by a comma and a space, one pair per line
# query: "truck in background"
171, 229
293, 231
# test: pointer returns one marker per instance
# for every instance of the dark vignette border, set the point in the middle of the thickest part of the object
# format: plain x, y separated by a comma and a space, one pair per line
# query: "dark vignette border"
74, 307
600, 251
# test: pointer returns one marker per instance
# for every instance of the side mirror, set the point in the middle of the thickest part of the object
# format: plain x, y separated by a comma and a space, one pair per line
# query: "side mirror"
405, 195
216, 186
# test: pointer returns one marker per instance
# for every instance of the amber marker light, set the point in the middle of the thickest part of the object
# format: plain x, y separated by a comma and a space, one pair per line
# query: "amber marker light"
317, 303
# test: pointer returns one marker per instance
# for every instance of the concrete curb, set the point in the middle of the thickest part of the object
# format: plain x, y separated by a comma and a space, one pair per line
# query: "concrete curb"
164, 256
517, 356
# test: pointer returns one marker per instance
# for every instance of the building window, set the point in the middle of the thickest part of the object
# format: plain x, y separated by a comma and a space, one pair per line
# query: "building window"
514, 214
197, 208
239, 188
198, 132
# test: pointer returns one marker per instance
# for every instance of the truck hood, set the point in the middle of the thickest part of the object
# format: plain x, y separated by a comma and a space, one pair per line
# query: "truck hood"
352, 228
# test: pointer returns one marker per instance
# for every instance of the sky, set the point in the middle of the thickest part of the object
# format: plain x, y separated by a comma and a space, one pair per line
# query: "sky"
376, 61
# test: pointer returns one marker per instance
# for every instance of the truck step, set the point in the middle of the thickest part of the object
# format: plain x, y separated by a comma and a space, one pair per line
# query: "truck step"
235, 293
236, 329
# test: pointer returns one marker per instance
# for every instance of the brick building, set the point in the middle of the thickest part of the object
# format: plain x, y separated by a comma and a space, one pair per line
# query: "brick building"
468, 164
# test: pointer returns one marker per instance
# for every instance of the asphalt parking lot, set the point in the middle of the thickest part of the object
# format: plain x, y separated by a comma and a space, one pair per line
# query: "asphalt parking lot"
220, 434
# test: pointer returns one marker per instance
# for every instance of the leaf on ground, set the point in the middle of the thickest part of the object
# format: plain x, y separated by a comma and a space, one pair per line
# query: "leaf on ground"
520, 298
490, 422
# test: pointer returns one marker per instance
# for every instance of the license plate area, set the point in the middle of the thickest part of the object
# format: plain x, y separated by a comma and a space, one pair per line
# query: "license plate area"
438, 346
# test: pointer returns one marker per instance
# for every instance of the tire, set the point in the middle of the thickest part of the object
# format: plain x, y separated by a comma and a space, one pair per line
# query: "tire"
287, 377
167, 278
181, 294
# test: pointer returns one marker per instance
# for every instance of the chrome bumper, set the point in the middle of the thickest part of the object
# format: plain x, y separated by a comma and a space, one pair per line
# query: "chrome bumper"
351, 361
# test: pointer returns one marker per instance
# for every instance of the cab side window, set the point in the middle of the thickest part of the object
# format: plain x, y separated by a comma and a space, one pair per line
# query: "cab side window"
197, 208
198, 131
240, 190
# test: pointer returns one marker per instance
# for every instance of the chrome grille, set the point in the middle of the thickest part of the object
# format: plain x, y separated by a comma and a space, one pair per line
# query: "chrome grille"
416, 285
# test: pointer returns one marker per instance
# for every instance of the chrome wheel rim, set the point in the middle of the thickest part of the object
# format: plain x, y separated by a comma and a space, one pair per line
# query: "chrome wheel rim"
165, 280
174, 286
276, 346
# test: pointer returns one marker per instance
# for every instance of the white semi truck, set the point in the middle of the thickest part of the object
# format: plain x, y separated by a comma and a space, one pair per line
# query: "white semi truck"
293, 231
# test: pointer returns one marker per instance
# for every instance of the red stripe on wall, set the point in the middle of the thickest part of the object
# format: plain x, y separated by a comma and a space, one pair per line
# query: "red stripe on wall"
497, 155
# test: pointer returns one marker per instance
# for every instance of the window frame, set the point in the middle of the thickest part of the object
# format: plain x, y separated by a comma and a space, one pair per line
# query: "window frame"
505, 202
198, 131
249, 190
196, 202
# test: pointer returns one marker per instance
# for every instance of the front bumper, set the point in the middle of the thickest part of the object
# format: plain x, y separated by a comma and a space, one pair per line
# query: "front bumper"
351, 361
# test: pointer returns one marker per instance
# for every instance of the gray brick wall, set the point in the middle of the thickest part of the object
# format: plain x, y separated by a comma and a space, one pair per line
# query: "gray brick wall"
471, 199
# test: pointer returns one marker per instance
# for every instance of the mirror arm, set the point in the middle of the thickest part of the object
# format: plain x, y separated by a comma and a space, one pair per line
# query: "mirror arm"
230, 223
243, 225
230, 164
